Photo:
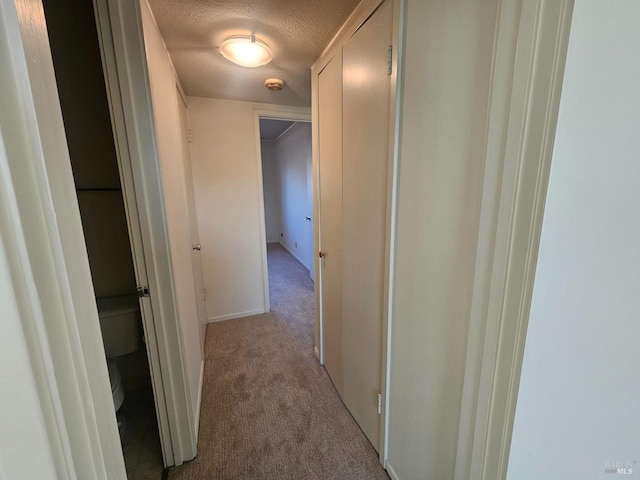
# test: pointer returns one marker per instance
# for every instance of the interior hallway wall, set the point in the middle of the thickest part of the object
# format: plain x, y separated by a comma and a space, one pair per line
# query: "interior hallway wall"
271, 190
578, 400
229, 200
447, 72
293, 155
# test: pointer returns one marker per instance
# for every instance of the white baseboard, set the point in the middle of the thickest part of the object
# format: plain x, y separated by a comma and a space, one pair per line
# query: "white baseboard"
233, 316
317, 352
392, 473
196, 418
293, 254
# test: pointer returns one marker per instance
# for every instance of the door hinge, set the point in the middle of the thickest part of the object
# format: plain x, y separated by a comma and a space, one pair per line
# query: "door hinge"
189, 135
389, 59
379, 404
204, 294
142, 291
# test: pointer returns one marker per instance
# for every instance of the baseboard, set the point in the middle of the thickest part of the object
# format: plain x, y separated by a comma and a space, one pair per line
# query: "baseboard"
294, 255
317, 352
392, 473
233, 316
196, 418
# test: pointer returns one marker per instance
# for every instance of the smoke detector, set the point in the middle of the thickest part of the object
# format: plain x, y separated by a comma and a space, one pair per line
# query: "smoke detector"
274, 84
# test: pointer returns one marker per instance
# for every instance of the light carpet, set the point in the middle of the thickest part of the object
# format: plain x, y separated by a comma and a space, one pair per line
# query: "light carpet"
269, 410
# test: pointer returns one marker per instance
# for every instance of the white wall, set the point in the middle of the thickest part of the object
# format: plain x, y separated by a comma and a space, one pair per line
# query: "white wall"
25, 448
446, 85
271, 191
170, 138
229, 201
578, 399
293, 153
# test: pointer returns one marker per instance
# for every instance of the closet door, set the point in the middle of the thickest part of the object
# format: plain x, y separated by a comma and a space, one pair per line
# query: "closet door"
196, 247
330, 150
366, 90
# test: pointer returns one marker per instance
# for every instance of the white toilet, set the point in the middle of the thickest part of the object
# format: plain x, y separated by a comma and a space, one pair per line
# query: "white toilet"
119, 322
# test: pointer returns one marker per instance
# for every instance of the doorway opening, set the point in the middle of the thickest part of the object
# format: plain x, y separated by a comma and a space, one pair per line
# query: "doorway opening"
287, 185
287, 179
99, 190
286, 194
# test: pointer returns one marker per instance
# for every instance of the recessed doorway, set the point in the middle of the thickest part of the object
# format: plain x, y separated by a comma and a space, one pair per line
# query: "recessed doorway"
287, 179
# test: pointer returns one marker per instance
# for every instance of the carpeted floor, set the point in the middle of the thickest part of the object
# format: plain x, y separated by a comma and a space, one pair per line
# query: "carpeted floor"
269, 410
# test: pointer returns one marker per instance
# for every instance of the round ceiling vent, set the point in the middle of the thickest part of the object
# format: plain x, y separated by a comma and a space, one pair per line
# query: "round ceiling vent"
274, 84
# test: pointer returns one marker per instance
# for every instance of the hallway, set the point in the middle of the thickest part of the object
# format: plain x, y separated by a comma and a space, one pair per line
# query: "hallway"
269, 410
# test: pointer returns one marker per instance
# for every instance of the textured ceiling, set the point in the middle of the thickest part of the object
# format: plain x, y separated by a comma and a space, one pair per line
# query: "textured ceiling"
296, 30
270, 130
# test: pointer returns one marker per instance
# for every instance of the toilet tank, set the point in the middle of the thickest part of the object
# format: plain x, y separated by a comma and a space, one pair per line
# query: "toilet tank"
120, 324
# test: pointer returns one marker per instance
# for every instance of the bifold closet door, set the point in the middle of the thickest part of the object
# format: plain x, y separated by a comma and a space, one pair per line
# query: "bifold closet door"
366, 90
330, 150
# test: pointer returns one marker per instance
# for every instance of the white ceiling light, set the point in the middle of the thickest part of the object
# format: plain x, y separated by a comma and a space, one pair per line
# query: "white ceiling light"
246, 50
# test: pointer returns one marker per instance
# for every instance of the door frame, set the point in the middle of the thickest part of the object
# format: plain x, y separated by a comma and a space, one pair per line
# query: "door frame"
359, 16
122, 47
530, 50
279, 112
43, 243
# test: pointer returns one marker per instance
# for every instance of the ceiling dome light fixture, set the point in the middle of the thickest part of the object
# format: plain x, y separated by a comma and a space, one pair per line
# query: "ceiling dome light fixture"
246, 50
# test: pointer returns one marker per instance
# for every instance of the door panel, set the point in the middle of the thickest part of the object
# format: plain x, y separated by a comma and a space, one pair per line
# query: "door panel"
309, 219
330, 147
196, 259
366, 90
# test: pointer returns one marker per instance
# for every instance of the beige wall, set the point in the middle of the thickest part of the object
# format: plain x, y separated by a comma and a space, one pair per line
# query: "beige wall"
169, 138
228, 190
446, 83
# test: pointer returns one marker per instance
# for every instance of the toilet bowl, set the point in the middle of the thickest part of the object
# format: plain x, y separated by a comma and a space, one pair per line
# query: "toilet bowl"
119, 323
117, 390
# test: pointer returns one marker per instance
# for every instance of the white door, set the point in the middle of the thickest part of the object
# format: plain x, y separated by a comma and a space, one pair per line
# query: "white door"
366, 90
309, 219
330, 149
169, 140
196, 246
